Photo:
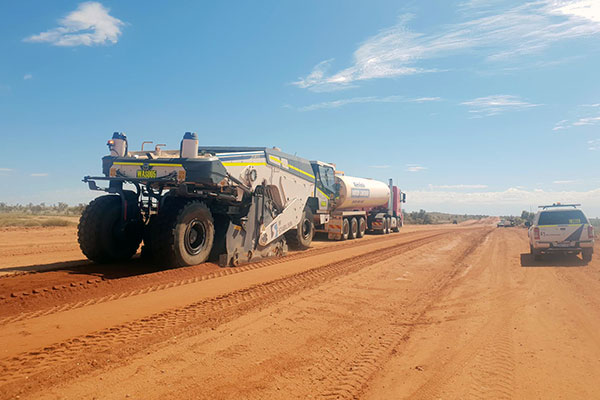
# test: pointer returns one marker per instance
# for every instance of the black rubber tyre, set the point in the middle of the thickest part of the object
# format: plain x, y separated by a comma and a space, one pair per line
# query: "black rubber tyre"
397, 228
301, 237
102, 234
389, 225
362, 227
385, 229
345, 229
353, 233
586, 255
183, 234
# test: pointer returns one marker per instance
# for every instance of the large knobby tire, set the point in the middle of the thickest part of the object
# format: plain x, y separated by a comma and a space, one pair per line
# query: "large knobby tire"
301, 237
183, 234
362, 227
353, 228
103, 235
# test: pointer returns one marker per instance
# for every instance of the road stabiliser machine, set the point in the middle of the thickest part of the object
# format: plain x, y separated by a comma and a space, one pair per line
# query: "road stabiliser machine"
232, 204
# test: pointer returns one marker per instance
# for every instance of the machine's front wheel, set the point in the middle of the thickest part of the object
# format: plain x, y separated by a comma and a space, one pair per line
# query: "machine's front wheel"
102, 233
183, 234
301, 237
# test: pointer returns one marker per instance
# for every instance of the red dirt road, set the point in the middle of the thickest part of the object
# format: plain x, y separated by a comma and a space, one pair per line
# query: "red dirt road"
432, 312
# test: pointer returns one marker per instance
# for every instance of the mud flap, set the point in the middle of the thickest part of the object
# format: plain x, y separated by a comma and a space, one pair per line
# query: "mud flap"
242, 241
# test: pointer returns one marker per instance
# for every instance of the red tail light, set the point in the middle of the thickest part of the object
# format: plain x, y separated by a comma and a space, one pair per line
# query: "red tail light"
590, 232
536, 233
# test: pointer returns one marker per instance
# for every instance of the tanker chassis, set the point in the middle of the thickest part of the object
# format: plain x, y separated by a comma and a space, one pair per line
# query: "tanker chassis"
232, 204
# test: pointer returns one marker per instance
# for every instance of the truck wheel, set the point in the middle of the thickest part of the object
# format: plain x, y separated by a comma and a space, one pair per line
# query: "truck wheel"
586, 255
397, 227
353, 228
386, 226
301, 237
345, 229
102, 234
362, 227
183, 234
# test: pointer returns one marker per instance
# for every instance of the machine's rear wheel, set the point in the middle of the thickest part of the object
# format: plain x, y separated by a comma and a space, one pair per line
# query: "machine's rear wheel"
183, 234
353, 228
301, 237
362, 227
103, 235
345, 229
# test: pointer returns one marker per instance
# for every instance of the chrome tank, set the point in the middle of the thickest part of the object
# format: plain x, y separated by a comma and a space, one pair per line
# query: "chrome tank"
357, 193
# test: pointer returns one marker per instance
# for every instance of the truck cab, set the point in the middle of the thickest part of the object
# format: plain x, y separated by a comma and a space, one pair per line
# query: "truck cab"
561, 228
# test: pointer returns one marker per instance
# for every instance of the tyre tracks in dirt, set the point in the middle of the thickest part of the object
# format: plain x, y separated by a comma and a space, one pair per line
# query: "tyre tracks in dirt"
33, 299
83, 353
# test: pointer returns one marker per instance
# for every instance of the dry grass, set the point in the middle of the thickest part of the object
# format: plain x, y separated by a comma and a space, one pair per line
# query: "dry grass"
26, 220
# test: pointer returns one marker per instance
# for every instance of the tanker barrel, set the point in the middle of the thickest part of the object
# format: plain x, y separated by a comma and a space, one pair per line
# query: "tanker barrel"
361, 193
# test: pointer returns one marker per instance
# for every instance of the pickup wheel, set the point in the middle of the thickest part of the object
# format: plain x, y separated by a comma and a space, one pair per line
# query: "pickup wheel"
301, 237
183, 234
362, 227
353, 228
586, 255
102, 234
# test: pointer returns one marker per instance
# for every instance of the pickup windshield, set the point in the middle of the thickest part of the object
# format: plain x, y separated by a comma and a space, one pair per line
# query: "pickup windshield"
562, 217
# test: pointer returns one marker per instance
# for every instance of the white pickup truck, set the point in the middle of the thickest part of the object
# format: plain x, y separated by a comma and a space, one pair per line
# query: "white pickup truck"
561, 228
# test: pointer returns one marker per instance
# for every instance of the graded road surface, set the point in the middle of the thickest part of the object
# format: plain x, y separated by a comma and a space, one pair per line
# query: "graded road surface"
439, 312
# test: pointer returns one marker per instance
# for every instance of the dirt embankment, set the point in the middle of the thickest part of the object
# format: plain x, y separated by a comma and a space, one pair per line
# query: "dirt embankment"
433, 312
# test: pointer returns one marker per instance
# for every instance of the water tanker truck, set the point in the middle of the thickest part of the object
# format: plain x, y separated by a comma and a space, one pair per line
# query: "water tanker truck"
232, 204
348, 206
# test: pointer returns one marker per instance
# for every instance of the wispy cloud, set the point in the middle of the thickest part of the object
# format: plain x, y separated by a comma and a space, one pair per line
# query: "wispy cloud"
90, 24
496, 35
367, 99
594, 144
5, 169
27, 77
39, 174
565, 182
415, 168
583, 121
459, 186
497, 104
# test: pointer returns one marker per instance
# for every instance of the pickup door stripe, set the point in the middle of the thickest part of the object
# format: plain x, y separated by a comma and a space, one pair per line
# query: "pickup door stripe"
575, 236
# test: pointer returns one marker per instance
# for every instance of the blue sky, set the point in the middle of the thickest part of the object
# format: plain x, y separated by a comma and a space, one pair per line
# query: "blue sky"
471, 106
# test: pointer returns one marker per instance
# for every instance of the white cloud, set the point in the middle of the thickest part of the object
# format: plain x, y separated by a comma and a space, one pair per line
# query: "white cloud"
380, 166
583, 121
415, 168
459, 186
367, 99
26, 77
425, 99
90, 24
565, 182
39, 174
594, 144
509, 201
500, 35
587, 121
5, 169
494, 105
